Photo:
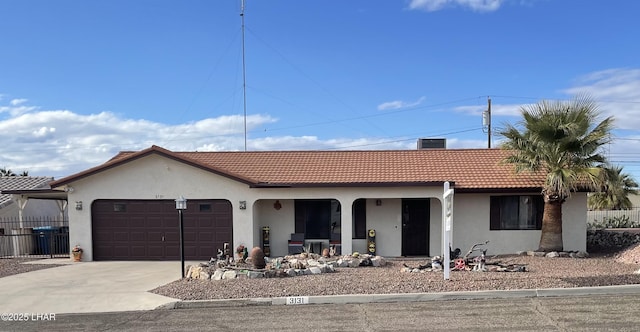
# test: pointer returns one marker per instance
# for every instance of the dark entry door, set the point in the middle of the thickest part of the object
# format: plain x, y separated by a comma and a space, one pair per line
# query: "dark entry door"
415, 227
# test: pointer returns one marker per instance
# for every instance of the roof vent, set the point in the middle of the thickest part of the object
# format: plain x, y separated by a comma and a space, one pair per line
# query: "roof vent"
432, 143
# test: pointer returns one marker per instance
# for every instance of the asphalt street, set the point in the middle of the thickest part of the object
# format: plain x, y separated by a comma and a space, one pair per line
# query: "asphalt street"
575, 313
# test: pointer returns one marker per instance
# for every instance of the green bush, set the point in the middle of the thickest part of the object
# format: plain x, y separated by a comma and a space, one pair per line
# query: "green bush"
613, 222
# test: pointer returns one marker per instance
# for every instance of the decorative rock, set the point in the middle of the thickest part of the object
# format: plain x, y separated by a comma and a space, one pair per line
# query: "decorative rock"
539, 253
354, 262
552, 254
312, 262
315, 270
290, 272
231, 274
217, 275
270, 273
521, 253
257, 258
365, 261
530, 253
342, 263
582, 254
205, 275
563, 254
255, 274
378, 261
405, 269
194, 272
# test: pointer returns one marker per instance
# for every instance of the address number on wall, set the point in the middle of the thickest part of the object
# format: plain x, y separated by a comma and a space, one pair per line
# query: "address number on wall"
297, 300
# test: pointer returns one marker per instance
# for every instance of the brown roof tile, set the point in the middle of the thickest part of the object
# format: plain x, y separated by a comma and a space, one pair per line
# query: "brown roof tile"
467, 168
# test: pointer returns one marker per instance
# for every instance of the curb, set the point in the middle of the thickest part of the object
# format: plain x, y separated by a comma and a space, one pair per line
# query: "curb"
409, 297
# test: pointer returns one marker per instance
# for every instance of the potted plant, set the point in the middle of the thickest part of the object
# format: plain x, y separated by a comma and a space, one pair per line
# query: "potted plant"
240, 250
77, 253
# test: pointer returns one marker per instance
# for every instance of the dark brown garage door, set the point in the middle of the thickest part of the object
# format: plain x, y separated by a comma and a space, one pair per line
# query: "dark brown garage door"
150, 229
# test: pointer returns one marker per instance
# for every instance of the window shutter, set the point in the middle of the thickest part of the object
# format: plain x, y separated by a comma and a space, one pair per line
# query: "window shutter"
494, 213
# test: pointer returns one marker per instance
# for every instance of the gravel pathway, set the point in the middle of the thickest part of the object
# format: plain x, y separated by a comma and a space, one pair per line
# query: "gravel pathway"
541, 273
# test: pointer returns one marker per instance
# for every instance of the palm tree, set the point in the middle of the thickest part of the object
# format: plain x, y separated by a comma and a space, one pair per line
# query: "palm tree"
615, 194
6, 172
561, 139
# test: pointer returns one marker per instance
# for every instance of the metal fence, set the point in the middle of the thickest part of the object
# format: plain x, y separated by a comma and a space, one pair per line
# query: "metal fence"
600, 216
41, 237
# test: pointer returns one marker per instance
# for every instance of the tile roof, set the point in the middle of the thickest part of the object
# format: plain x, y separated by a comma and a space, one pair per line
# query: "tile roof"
471, 169
21, 183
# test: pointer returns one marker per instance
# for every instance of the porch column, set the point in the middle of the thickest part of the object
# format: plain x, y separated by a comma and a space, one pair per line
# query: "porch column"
62, 206
22, 203
346, 227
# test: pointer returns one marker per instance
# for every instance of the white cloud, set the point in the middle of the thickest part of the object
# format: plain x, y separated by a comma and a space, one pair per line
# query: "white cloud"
16, 102
397, 104
617, 92
475, 5
496, 109
61, 142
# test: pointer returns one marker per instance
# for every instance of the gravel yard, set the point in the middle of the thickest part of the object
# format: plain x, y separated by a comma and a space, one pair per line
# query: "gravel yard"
599, 270
11, 266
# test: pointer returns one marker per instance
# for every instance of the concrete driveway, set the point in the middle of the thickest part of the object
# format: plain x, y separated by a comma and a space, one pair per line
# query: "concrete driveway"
88, 287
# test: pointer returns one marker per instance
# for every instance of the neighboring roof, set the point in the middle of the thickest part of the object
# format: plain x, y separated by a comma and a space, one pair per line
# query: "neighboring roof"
13, 183
470, 169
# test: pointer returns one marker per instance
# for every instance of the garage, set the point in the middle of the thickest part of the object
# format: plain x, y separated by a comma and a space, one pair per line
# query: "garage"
150, 229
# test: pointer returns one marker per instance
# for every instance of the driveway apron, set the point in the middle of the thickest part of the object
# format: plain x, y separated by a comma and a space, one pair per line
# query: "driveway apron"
88, 287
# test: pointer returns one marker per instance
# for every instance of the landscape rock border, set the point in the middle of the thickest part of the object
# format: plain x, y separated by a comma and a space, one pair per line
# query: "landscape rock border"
280, 267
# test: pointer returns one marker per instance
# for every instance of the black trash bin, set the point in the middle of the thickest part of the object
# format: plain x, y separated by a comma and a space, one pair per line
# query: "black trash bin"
43, 236
61, 241
51, 240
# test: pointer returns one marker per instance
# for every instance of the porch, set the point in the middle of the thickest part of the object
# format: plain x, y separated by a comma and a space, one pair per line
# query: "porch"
402, 226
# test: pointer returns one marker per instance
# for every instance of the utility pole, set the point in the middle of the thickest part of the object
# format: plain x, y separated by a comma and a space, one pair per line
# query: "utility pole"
486, 121
489, 124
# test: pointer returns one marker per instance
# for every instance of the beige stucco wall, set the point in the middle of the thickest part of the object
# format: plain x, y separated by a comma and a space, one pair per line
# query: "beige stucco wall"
156, 177
471, 226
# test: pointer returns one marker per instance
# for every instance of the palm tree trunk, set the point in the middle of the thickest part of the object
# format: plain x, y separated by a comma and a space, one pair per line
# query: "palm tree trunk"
551, 237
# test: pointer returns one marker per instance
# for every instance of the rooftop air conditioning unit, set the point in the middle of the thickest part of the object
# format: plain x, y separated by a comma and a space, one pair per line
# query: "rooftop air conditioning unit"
432, 143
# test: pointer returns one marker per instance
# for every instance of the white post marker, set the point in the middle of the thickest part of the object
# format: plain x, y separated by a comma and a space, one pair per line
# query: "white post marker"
447, 219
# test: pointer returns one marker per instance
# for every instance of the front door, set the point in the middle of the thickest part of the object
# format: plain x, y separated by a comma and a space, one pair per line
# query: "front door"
415, 227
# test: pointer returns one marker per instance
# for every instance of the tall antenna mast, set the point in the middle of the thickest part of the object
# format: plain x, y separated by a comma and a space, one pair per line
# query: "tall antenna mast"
244, 78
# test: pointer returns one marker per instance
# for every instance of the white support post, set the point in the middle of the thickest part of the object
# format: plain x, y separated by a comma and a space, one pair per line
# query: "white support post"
447, 220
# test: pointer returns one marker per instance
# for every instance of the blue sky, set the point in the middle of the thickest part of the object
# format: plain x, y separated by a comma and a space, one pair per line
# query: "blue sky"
82, 80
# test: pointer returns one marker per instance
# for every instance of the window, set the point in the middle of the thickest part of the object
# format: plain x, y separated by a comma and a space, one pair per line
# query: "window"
516, 212
119, 207
205, 207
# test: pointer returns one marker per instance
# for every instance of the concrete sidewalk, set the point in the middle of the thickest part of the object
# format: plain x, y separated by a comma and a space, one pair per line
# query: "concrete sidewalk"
411, 297
88, 287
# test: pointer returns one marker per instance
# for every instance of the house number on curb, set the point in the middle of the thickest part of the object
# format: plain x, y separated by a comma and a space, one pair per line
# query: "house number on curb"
297, 300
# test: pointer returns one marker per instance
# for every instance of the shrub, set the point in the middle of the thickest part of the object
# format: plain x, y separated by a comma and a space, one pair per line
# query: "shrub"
613, 222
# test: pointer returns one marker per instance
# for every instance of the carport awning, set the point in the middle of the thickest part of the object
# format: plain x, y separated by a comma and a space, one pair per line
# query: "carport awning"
54, 194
